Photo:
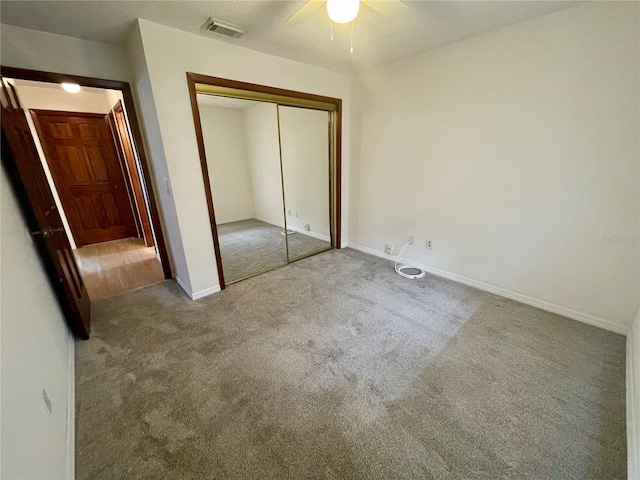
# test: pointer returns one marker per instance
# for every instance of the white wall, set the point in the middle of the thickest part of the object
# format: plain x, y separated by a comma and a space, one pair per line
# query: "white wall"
261, 127
50, 96
160, 183
112, 97
36, 354
517, 153
304, 137
36, 350
225, 144
35, 50
179, 156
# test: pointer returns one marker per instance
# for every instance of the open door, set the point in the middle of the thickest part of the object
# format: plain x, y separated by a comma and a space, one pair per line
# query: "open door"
129, 161
27, 175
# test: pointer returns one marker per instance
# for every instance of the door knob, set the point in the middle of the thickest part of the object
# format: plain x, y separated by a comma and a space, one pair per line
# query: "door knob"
47, 232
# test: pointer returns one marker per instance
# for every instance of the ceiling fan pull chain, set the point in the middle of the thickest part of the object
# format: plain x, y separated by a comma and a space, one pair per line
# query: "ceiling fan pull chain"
352, 22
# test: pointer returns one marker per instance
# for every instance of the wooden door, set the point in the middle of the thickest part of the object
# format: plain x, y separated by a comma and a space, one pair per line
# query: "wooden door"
129, 161
83, 161
23, 165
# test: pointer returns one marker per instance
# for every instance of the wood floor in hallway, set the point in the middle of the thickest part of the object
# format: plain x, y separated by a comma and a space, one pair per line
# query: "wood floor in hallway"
114, 267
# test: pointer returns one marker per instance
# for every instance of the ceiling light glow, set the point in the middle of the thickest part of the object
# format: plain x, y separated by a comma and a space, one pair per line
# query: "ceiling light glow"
71, 87
343, 11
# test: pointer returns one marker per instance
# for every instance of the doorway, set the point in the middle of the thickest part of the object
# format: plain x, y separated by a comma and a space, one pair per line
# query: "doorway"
271, 164
89, 148
82, 157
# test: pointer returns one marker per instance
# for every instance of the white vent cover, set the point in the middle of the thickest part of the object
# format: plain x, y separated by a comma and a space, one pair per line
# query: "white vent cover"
216, 26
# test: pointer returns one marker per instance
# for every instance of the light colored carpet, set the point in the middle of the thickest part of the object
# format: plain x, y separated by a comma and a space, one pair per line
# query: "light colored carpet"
336, 367
252, 246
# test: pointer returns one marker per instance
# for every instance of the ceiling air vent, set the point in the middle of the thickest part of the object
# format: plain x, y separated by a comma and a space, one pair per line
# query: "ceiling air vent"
225, 29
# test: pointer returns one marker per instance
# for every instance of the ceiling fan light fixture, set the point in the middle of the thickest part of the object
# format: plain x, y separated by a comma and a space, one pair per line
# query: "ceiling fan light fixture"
343, 11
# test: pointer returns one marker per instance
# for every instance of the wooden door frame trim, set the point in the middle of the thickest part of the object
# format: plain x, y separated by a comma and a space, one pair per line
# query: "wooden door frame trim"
205, 178
129, 104
195, 78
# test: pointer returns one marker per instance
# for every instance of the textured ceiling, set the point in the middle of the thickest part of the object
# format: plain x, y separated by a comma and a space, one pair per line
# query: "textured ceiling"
378, 39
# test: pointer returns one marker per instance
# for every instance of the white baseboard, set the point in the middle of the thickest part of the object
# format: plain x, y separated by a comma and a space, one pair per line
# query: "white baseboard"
633, 410
205, 293
319, 236
238, 219
519, 297
71, 412
269, 221
200, 293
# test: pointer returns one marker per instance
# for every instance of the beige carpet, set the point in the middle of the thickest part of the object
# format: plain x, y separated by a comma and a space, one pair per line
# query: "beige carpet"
252, 246
336, 367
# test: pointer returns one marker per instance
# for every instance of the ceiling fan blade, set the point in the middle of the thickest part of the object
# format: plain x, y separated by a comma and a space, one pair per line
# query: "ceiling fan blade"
387, 7
304, 12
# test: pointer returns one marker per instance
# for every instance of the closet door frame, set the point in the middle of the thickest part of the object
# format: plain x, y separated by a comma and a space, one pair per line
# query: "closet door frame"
198, 83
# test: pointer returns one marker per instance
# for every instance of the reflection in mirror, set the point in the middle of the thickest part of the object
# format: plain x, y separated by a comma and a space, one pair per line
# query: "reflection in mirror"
304, 136
243, 159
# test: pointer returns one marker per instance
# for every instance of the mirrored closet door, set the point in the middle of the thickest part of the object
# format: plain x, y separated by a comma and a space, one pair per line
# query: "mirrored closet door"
304, 137
268, 162
243, 159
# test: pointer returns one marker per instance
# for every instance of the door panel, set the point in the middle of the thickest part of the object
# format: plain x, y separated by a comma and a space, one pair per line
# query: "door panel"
84, 165
129, 160
21, 158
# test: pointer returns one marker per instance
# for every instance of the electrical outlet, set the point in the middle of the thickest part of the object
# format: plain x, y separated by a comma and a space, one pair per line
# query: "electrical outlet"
428, 244
411, 239
289, 212
297, 214
388, 249
307, 227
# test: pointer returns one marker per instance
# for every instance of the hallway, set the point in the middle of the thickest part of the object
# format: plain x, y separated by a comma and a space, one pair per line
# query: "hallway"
115, 267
